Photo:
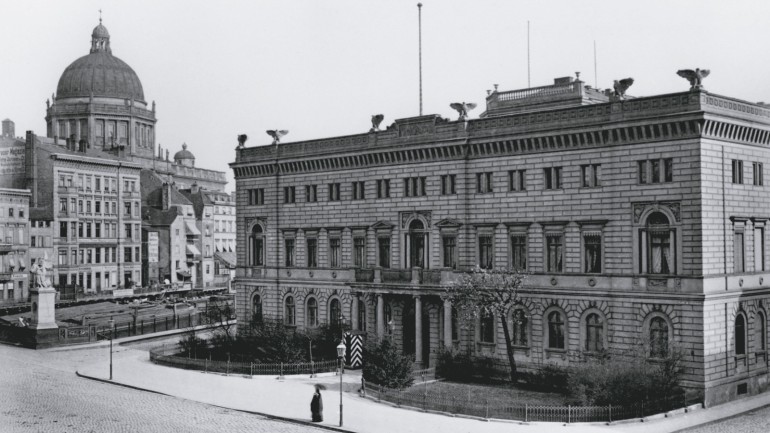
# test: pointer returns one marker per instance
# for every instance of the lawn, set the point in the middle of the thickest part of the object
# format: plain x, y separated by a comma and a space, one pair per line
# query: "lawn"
481, 394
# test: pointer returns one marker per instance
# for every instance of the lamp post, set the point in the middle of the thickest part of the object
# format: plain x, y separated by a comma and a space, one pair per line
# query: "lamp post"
341, 355
112, 327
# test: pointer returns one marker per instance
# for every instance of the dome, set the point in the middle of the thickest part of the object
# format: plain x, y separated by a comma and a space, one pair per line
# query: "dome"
183, 154
100, 73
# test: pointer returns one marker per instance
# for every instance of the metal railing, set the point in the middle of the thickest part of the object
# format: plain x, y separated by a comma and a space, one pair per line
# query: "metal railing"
175, 357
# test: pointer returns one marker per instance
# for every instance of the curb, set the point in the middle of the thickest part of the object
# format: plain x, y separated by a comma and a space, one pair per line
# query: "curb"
262, 414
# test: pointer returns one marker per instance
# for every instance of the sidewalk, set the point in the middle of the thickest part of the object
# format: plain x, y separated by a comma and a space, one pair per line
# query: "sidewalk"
290, 399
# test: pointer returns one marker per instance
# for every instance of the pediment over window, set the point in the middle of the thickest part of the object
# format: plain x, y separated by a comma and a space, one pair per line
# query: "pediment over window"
382, 225
448, 223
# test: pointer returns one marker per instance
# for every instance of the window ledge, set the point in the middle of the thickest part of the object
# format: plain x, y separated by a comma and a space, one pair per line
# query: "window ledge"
486, 344
556, 353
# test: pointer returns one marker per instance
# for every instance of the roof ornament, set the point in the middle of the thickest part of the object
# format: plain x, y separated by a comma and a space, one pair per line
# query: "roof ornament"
621, 86
276, 134
694, 77
462, 108
100, 16
242, 140
376, 120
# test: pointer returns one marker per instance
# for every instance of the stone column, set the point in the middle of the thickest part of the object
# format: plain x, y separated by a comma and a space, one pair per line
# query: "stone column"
447, 324
417, 330
354, 325
380, 317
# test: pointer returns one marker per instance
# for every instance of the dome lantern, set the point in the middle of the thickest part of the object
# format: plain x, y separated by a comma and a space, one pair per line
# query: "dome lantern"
100, 38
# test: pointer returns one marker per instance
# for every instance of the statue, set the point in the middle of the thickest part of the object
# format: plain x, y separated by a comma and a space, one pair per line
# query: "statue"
47, 104
40, 269
166, 154
376, 120
694, 77
621, 87
153, 106
462, 108
242, 140
277, 134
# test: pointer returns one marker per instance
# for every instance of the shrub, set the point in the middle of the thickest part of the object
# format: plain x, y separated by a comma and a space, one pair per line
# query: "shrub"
193, 346
385, 365
548, 378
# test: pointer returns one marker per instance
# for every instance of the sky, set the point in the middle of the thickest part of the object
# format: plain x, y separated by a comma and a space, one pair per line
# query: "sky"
322, 68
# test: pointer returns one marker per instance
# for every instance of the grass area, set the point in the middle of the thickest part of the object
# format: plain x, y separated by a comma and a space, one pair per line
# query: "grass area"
499, 394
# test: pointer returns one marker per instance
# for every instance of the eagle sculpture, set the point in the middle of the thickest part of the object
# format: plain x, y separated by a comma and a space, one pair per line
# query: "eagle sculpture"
462, 108
694, 77
242, 140
376, 120
277, 134
621, 86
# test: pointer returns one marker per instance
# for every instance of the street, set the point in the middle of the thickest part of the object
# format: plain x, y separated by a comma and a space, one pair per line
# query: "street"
41, 393
755, 421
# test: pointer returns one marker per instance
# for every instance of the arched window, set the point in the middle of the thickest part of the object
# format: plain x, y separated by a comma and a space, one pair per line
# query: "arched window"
761, 331
361, 314
740, 334
487, 328
256, 309
312, 313
658, 337
257, 246
416, 242
659, 245
288, 311
335, 313
594, 333
555, 330
519, 324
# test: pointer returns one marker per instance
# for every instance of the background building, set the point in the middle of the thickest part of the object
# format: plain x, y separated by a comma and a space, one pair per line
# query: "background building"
14, 258
642, 222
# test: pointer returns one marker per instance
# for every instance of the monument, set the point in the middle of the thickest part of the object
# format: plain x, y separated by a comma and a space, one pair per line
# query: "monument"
43, 297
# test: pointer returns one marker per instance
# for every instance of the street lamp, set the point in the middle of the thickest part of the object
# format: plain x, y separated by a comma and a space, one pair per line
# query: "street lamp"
112, 327
341, 355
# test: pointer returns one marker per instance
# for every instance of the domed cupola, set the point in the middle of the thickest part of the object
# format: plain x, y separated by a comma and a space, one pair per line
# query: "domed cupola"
184, 157
100, 74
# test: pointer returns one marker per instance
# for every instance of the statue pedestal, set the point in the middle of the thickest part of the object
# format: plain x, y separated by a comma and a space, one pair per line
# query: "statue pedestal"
43, 308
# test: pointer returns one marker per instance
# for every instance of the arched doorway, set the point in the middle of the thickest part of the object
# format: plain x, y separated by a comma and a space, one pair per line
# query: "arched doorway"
416, 245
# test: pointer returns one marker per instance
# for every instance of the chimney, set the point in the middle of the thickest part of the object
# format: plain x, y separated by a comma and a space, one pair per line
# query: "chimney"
30, 166
194, 189
9, 128
166, 196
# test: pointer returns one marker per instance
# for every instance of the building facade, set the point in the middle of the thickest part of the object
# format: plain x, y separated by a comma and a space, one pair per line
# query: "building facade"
14, 241
641, 221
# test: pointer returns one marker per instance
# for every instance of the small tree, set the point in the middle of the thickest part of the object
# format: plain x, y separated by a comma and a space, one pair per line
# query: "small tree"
385, 365
488, 292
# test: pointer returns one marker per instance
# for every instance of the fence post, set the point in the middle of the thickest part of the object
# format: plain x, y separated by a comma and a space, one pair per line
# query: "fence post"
205, 365
142, 326
486, 407
569, 413
526, 412
166, 323
251, 368
363, 386
227, 370
610, 413
153, 325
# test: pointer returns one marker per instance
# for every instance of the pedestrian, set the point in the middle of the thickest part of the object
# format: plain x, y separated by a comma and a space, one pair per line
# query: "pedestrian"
317, 405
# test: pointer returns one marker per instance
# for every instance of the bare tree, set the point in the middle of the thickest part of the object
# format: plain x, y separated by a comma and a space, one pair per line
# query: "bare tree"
219, 311
483, 292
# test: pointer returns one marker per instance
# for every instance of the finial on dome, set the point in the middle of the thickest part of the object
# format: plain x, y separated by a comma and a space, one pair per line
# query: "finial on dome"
100, 16
184, 146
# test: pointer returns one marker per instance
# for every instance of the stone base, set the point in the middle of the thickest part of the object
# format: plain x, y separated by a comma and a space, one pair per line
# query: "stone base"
44, 338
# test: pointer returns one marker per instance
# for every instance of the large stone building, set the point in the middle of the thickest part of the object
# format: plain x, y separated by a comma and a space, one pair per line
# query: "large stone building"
642, 221
14, 257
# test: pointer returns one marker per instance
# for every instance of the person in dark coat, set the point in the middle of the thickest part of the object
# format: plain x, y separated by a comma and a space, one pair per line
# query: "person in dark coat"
317, 406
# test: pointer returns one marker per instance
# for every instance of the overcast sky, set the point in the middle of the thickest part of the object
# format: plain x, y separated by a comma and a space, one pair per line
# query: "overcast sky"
322, 68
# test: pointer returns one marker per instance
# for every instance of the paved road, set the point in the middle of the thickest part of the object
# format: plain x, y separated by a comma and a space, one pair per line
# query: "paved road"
756, 421
39, 392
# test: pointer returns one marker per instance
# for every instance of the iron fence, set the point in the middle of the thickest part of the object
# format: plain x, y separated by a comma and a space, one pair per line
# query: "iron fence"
418, 396
173, 356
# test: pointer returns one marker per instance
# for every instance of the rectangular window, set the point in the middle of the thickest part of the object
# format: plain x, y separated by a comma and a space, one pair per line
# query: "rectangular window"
383, 188
414, 186
448, 184
88, 230
517, 180
98, 255
519, 251
758, 176
128, 231
62, 205
487, 328
289, 243
759, 249
63, 229
311, 193
256, 196
359, 252
592, 252
737, 171
740, 264
312, 253
334, 252
383, 250
288, 194
655, 171
449, 246
552, 177
483, 182
486, 251
358, 190
334, 192
126, 254
590, 175
62, 256
554, 243
98, 206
